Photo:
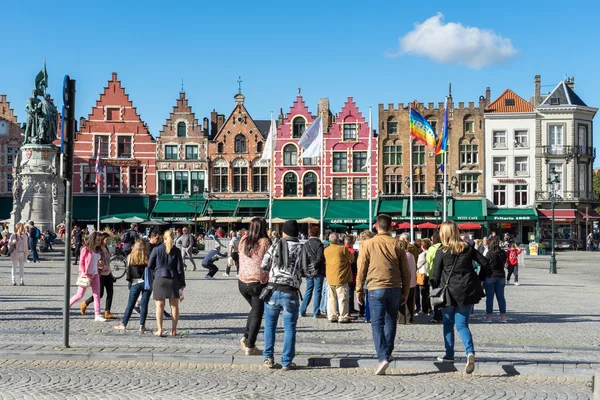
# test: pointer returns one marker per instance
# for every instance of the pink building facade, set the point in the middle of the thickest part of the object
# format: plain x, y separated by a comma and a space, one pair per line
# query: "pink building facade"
346, 144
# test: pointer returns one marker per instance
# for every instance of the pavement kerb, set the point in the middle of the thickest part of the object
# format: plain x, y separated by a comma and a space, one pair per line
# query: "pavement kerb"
311, 360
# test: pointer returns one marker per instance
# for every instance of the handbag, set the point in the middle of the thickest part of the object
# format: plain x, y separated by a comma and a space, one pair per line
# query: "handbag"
148, 279
83, 281
438, 296
266, 293
420, 279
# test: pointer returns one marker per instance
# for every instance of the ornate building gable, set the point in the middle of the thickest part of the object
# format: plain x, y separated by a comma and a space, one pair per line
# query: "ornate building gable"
10, 142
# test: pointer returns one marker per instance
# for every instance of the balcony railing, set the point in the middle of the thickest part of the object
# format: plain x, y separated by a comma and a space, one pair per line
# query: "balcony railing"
567, 196
567, 151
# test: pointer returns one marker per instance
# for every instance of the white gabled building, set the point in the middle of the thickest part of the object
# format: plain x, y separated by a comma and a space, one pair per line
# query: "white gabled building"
510, 151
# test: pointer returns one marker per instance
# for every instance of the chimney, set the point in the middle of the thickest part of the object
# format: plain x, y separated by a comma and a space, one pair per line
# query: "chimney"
324, 112
537, 87
114, 76
571, 82
205, 126
213, 124
488, 94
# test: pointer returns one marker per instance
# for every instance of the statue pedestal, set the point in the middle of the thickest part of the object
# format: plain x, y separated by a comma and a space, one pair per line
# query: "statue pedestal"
38, 191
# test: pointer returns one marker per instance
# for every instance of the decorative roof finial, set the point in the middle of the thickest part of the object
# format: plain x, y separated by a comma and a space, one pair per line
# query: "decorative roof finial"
182, 85
239, 84
299, 91
450, 90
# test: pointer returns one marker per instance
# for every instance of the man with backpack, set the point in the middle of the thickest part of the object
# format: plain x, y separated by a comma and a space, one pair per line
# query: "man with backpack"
34, 234
129, 238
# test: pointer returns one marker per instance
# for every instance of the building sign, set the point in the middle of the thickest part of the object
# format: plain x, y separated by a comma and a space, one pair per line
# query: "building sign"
510, 218
348, 221
467, 218
117, 162
175, 219
512, 180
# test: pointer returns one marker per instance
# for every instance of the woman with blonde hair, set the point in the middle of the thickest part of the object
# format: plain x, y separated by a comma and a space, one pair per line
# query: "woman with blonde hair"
167, 266
453, 269
18, 250
137, 262
90, 263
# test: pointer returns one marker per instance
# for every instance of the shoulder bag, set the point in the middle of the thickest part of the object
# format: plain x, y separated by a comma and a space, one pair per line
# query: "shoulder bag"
148, 279
83, 281
438, 296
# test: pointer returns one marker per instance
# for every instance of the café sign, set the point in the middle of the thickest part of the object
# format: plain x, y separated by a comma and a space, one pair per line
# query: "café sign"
348, 221
511, 218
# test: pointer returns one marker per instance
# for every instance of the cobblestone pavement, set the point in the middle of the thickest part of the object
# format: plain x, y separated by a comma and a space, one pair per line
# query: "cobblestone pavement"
131, 380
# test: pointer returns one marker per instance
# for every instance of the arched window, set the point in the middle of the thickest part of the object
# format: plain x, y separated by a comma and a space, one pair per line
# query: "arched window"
259, 147
290, 155
290, 185
309, 184
220, 148
181, 129
240, 144
299, 125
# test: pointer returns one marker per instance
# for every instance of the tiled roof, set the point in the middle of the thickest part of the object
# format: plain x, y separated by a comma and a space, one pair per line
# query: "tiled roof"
509, 102
563, 95
263, 126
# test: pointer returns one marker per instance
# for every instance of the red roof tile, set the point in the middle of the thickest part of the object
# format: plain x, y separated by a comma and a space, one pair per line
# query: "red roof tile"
501, 105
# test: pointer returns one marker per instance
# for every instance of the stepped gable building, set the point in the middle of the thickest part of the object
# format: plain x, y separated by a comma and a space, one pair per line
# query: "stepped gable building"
128, 158
10, 141
234, 152
181, 152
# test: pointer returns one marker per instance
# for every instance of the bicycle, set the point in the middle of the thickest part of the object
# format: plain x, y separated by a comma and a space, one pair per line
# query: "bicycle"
118, 261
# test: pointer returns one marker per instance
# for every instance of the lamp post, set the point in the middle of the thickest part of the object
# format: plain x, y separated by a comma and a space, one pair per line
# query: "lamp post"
552, 189
209, 211
193, 202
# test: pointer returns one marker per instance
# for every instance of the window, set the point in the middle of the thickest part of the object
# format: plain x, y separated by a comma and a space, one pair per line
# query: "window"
290, 185
340, 161
499, 139
469, 154
298, 127
259, 147
392, 184
582, 133
240, 144
9, 182
418, 181
521, 167
521, 195
171, 152
89, 178
468, 183
469, 126
260, 179
113, 114
124, 146
583, 187
500, 195
359, 188
181, 182
290, 155
499, 166
101, 143
197, 181
509, 102
392, 155
220, 148
439, 172
191, 152
433, 124
418, 154
309, 161
165, 182
359, 161
340, 188
136, 179
558, 171
392, 125
181, 129
554, 101
113, 179
11, 152
350, 131
220, 178
555, 139
240, 179
521, 139
309, 184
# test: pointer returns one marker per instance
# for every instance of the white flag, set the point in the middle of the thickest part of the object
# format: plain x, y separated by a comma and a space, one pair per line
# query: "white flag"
315, 149
268, 149
310, 134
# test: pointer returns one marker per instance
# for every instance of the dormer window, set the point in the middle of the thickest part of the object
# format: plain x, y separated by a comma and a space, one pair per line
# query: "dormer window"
555, 101
298, 126
181, 129
509, 102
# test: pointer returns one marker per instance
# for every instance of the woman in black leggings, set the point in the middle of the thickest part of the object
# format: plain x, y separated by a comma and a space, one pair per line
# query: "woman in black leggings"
106, 281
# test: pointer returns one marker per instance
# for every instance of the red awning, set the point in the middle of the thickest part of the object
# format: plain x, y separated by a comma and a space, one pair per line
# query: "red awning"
469, 226
427, 225
591, 214
559, 215
403, 225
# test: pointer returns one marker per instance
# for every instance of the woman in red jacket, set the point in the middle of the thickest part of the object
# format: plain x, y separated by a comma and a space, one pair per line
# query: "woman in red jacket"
512, 263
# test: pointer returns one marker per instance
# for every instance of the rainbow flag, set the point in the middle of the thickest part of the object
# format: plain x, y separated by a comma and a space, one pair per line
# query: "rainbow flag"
421, 130
442, 144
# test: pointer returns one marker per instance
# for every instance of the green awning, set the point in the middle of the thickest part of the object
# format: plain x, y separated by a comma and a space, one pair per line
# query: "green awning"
467, 210
297, 208
337, 226
348, 212
427, 205
222, 208
512, 214
176, 207
128, 206
5, 207
361, 227
85, 208
392, 206
252, 208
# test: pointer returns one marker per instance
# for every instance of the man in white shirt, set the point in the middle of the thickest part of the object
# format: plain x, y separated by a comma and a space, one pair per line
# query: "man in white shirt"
185, 243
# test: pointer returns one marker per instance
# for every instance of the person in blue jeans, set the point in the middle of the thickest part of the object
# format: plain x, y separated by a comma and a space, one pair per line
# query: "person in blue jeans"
495, 282
453, 269
34, 234
287, 264
314, 249
384, 268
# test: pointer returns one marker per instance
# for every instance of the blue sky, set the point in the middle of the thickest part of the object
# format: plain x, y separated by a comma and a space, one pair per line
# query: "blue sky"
330, 49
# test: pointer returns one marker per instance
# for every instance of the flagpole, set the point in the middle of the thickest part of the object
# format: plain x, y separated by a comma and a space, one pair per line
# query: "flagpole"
445, 212
99, 182
272, 179
322, 185
410, 152
370, 158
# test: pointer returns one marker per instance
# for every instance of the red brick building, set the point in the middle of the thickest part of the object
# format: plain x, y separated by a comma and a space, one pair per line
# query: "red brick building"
10, 142
128, 158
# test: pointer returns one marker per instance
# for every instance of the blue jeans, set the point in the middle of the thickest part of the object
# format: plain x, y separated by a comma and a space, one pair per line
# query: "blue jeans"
134, 292
460, 317
313, 286
367, 309
33, 249
384, 305
281, 301
494, 286
323, 306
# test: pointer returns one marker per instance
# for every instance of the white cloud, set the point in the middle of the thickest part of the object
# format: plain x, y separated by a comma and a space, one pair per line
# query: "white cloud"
454, 43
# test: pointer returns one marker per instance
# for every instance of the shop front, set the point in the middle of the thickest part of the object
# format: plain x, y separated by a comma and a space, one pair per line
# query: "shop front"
470, 215
520, 223
565, 225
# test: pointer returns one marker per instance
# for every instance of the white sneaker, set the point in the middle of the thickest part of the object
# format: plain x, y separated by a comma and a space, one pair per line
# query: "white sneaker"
516, 283
100, 318
225, 274
382, 367
470, 367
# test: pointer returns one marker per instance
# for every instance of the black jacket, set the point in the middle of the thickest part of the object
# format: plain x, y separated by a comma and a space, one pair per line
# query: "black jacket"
497, 262
314, 250
464, 285
167, 265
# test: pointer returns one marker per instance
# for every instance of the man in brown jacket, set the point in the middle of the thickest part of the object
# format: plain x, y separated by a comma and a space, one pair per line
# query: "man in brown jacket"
385, 268
338, 270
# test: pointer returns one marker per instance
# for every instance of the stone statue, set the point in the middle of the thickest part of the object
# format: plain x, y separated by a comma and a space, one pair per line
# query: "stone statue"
42, 115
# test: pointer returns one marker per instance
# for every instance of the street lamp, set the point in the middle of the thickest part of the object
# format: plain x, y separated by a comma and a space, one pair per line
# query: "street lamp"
552, 189
436, 195
209, 211
194, 202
